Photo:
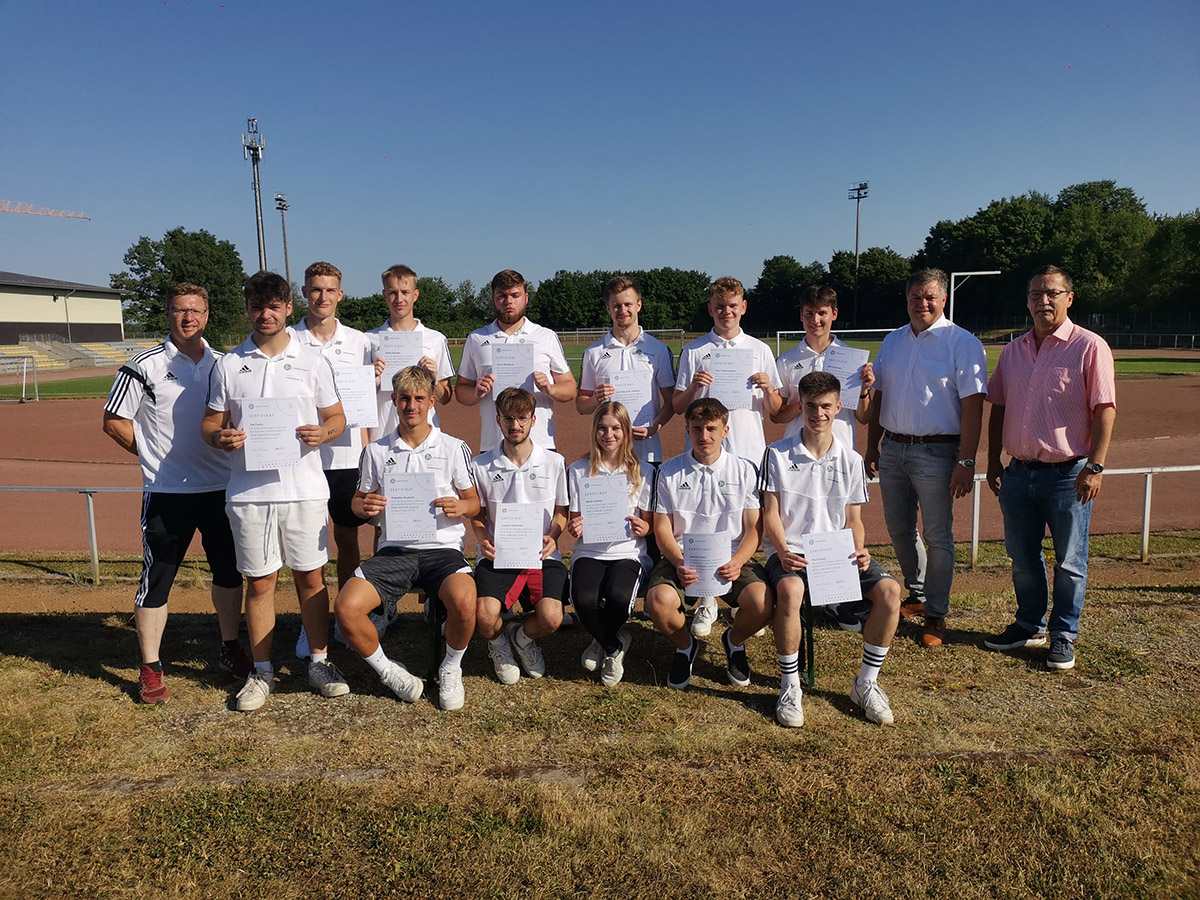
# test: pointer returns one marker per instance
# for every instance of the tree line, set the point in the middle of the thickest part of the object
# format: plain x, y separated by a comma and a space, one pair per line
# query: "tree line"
1123, 259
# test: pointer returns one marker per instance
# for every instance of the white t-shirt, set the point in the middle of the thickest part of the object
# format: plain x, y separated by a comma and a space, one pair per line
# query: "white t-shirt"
638, 499
812, 493
433, 345
448, 458
708, 499
246, 373
746, 438
793, 365
542, 480
646, 353
163, 392
347, 347
923, 378
477, 362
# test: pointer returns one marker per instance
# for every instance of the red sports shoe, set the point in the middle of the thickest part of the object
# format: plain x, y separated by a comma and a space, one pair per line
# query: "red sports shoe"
151, 689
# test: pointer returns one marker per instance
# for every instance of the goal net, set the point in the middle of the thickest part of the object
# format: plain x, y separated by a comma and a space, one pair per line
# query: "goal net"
18, 379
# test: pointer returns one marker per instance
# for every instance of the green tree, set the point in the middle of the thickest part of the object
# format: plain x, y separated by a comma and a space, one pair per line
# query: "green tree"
1167, 278
153, 267
881, 276
570, 300
775, 300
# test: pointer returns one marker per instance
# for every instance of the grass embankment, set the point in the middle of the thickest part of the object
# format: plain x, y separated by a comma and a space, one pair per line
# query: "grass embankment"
1000, 778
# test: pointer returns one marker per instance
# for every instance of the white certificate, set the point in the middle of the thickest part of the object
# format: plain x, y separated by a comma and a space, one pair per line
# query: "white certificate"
512, 365
356, 387
634, 391
845, 362
399, 349
706, 553
409, 514
517, 535
270, 424
604, 503
731, 371
832, 574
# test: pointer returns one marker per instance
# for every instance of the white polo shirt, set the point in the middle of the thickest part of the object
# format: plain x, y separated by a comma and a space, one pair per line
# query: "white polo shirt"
707, 499
433, 345
542, 480
644, 354
347, 347
923, 378
246, 373
448, 458
746, 437
477, 362
812, 493
162, 391
793, 365
638, 499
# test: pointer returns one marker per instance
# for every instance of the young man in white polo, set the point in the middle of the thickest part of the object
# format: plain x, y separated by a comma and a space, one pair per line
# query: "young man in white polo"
812, 484
745, 437
433, 562
519, 471
628, 348
285, 508
707, 490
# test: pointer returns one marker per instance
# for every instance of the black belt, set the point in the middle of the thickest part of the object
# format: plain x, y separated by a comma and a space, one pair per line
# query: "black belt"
923, 438
1038, 464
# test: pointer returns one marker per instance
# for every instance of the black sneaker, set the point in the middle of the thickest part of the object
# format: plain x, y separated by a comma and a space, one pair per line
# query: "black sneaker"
1062, 653
1014, 637
681, 667
849, 616
737, 667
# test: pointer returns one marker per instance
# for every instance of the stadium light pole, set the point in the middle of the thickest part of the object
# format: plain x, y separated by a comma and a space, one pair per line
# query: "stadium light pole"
281, 204
253, 151
954, 276
857, 193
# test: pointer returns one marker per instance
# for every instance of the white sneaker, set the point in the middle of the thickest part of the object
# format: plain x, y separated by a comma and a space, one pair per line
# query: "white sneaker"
403, 683
302, 651
871, 699
704, 617
255, 691
327, 680
762, 631
500, 650
592, 656
788, 710
530, 655
451, 695
612, 669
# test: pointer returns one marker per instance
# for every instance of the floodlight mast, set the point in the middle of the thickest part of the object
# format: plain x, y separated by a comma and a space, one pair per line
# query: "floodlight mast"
954, 276
281, 204
253, 151
857, 192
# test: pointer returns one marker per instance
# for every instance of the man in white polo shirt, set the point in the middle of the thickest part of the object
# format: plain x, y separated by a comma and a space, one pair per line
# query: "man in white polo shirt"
628, 348
930, 380
550, 383
154, 411
707, 490
400, 293
813, 484
270, 507
519, 472
433, 560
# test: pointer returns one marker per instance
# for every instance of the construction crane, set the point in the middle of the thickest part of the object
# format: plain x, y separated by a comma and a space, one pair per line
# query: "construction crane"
31, 210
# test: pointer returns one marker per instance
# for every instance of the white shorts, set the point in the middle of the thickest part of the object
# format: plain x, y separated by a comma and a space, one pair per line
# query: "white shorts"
259, 529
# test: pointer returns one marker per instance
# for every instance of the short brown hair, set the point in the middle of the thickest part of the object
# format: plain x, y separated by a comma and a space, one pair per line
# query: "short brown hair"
414, 378
928, 276
186, 289
399, 272
322, 269
618, 284
507, 278
818, 384
706, 409
515, 401
819, 295
1051, 270
724, 287
266, 287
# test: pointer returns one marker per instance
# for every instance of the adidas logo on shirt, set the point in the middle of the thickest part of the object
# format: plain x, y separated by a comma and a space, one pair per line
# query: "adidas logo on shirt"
390, 461
485, 343
794, 467
497, 477
245, 370
606, 355
685, 487
171, 377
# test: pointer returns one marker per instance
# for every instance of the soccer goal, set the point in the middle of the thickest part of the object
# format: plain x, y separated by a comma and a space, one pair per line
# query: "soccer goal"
868, 338
18, 379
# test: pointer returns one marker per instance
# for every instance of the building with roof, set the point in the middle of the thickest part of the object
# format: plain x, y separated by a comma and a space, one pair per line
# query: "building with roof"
40, 307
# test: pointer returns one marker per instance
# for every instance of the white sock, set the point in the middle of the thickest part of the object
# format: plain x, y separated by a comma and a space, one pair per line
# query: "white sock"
688, 649
319, 657
523, 640
378, 660
454, 657
264, 668
872, 662
789, 670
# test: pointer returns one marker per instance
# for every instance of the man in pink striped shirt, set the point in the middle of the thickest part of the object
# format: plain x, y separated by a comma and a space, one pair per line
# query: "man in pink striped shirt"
1053, 398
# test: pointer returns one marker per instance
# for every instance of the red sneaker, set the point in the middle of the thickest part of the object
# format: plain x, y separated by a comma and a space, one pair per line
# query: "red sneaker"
151, 689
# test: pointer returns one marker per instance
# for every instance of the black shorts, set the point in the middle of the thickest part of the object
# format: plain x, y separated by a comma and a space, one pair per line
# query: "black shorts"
169, 522
867, 581
394, 571
530, 585
664, 573
342, 485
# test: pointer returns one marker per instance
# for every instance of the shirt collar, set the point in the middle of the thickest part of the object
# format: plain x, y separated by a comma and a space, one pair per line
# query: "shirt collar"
399, 446
173, 351
722, 342
610, 341
801, 452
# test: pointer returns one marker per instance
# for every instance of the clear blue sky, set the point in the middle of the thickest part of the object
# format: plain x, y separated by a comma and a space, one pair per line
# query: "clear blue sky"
462, 137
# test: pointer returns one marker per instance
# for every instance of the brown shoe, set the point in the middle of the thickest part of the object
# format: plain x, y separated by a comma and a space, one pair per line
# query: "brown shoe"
933, 632
911, 607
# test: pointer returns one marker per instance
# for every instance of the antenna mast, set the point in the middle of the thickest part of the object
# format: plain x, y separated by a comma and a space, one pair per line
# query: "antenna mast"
253, 151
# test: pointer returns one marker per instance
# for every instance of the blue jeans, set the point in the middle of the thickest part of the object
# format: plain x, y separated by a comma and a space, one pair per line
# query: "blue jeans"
912, 477
1033, 500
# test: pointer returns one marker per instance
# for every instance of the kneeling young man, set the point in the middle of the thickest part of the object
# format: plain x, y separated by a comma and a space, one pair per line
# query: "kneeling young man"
434, 562
519, 472
813, 483
707, 490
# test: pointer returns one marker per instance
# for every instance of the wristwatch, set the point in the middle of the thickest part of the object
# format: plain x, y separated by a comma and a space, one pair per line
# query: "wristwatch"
1094, 468
967, 463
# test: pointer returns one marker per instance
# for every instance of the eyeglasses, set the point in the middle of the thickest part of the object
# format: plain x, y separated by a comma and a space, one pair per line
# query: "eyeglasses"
518, 420
1049, 295
184, 313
